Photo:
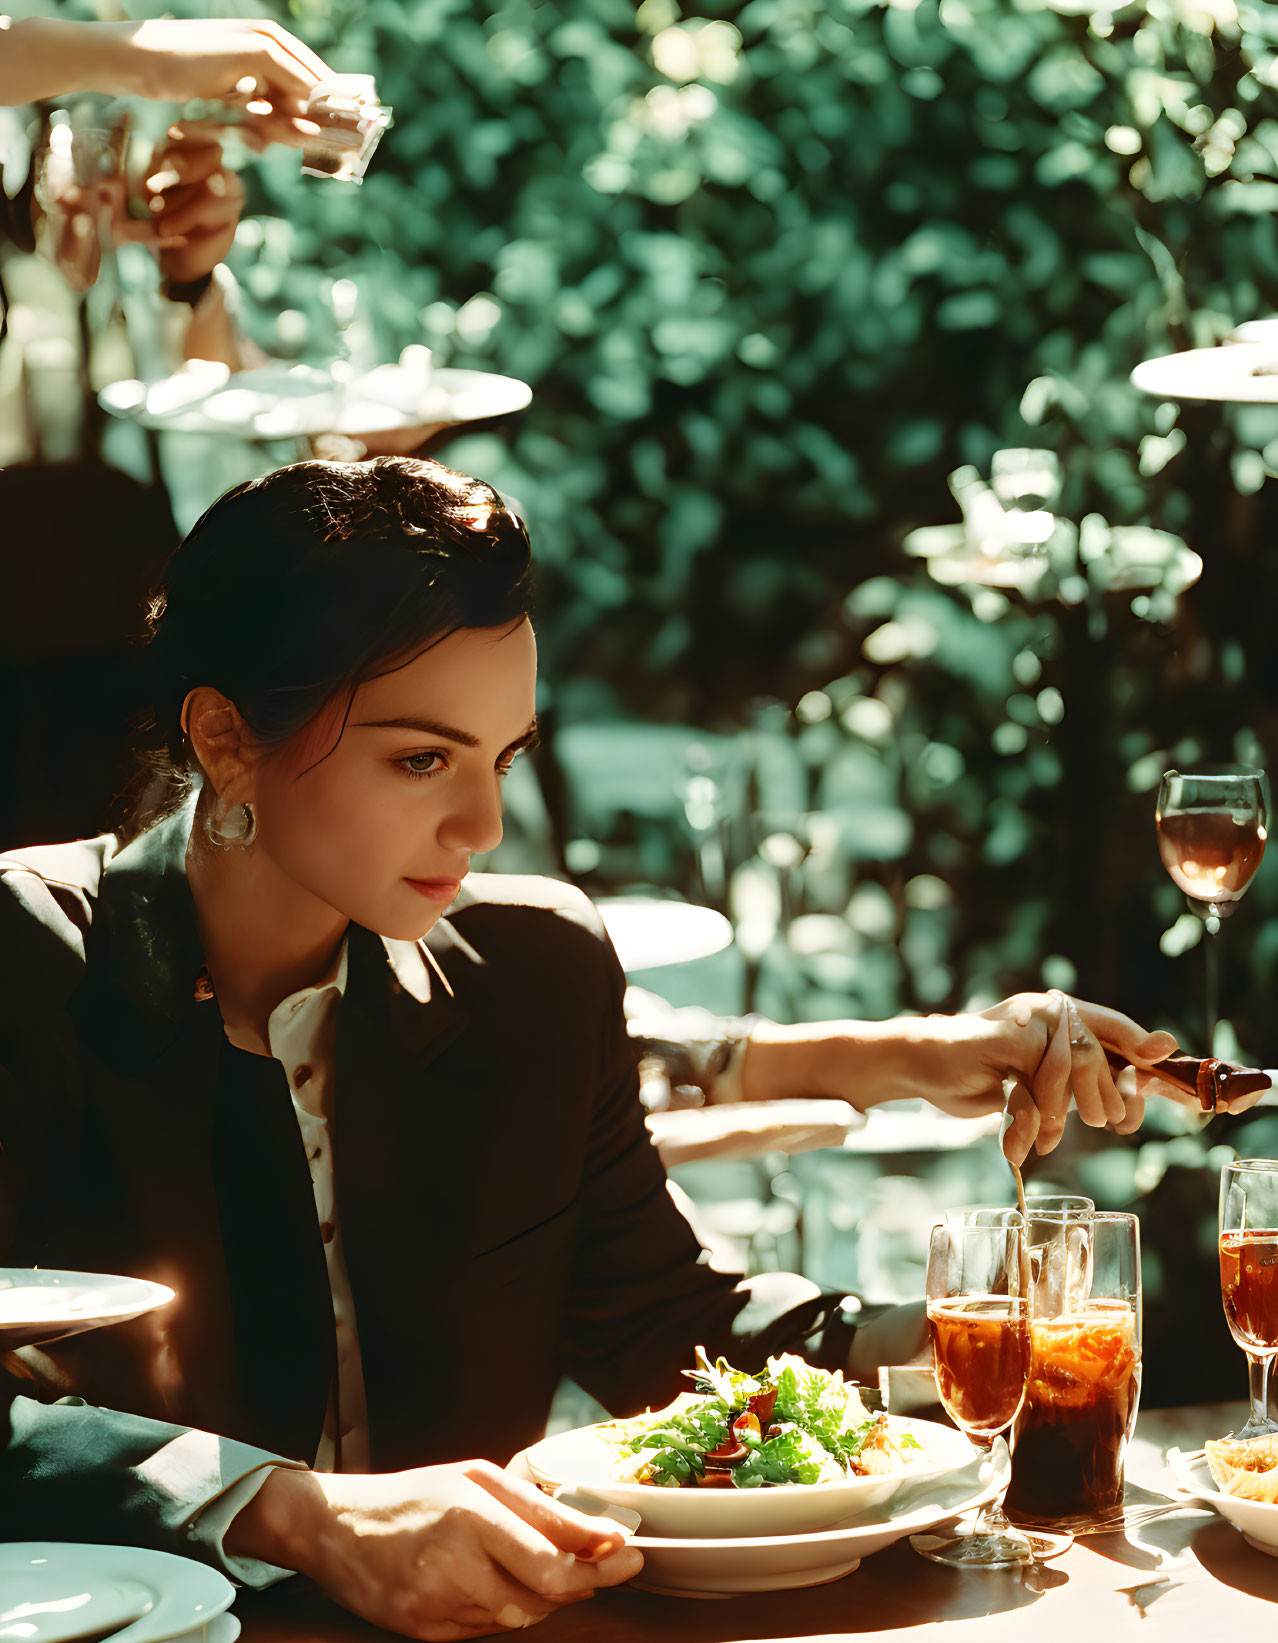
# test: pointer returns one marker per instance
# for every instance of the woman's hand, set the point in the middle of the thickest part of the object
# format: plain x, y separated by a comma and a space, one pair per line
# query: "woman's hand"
1053, 1049
439, 1553
195, 203
1100, 1058
1049, 1049
229, 59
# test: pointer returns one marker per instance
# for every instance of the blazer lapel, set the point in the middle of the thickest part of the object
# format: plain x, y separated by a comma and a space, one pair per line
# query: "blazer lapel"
280, 1301
207, 1153
401, 1134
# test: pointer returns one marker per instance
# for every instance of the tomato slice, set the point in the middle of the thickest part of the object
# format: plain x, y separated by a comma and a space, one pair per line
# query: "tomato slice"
762, 1405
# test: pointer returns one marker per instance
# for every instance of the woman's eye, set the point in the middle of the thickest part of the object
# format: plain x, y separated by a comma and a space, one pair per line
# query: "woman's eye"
422, 764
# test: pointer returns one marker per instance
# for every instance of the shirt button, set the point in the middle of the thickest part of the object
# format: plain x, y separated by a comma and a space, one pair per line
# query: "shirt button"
301, 1075
326, 1232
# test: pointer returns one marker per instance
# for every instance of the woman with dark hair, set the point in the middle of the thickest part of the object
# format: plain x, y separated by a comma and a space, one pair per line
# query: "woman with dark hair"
391, 1161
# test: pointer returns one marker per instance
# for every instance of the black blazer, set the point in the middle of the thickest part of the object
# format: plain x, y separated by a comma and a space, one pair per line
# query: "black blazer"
505, 1218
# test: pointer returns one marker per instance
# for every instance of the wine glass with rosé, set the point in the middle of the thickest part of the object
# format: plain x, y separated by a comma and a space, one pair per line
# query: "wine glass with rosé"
1249, 1275
1212, 827
978, 1283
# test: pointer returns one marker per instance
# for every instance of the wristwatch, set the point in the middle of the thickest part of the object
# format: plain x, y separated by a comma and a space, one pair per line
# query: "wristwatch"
191, 292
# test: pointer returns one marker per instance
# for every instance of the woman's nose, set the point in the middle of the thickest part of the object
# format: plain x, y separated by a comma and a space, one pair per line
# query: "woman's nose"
473, 823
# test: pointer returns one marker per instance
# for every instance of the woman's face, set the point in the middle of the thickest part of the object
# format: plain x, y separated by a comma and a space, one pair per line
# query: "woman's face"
380, 819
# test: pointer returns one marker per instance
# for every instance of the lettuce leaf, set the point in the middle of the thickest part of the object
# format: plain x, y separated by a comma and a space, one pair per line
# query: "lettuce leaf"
719, 1379
822, 1404
791, 1457
674, 1447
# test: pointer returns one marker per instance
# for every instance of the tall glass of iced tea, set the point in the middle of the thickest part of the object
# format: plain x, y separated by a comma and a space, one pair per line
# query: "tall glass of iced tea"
1084, 1383
978, 1315
1249, 1274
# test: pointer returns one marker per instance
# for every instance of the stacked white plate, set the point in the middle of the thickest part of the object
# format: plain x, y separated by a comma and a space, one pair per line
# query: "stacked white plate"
57, 1592
720, 1542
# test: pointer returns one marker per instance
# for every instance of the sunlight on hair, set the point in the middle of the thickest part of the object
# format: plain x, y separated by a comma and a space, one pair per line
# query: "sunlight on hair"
477, 516
476, 510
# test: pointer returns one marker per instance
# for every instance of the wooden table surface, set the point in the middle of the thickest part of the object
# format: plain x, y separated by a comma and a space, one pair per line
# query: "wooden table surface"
1191, 1574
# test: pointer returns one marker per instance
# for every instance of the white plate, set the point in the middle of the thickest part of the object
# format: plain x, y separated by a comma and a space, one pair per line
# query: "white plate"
1257, 1519
225, 1629
300, 401
1237, 371
275, 401
583, 1459
452, 396
651, 931
54, 1592
38, 1305
777, 1563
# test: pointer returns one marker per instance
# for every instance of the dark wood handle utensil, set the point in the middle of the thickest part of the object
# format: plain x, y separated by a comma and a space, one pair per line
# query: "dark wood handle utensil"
1209, 1078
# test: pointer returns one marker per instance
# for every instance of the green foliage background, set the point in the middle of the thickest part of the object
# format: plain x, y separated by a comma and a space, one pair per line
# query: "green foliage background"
774, 269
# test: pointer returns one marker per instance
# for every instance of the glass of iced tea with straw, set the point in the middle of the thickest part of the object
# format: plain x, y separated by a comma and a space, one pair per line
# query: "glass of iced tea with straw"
1249, 1275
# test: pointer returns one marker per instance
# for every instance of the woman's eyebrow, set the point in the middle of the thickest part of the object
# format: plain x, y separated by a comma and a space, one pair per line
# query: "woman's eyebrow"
447, 733
428, 727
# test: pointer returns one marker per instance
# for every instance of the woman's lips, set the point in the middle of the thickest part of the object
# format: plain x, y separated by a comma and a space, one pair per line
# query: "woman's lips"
436, 889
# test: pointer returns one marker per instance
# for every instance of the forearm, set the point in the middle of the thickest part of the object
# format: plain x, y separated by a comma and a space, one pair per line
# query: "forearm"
51, 57
863, 1062
72, 1471
211, 333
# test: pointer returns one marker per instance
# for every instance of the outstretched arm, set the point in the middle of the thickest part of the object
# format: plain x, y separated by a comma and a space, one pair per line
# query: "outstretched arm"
227, 59
1051, 1051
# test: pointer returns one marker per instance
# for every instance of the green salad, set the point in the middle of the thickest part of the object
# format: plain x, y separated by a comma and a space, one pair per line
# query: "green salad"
789, 1424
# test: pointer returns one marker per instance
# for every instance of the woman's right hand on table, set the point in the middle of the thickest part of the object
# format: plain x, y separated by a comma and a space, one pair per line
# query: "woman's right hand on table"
442, 1552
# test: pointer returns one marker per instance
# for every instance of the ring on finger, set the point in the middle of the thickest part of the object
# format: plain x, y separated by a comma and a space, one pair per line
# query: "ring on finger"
1079, 1037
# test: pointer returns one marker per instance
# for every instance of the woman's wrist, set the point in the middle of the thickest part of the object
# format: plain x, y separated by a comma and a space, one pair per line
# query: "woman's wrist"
284, 1524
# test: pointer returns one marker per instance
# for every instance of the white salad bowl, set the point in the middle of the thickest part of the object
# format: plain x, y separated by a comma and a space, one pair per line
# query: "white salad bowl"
777, 1563
584, 1459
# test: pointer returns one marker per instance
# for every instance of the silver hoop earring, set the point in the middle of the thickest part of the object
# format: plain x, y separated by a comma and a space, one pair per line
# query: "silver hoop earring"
235, 830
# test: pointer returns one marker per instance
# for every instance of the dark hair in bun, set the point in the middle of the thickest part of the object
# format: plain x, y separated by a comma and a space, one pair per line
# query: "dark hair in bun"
296, 587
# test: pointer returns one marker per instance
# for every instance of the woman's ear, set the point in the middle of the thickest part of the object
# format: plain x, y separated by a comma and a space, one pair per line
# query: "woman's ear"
221, 743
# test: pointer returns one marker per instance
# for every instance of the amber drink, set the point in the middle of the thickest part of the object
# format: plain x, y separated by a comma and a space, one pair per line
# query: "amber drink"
1079, 1410
978, 1315
981, 1349
1249, 1287
1249, 1276
1071, 1436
